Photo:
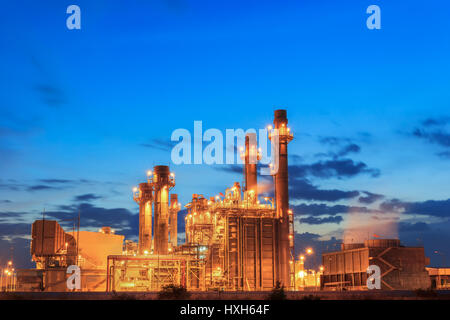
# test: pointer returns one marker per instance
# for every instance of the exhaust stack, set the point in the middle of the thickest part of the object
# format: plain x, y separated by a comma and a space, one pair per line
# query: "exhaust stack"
144, 198
282, 197
251, 158
163, 181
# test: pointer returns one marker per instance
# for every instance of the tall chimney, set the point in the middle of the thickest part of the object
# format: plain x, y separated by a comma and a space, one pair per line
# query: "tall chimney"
251, 158
144, 199
162, 182
173, 219
282, 196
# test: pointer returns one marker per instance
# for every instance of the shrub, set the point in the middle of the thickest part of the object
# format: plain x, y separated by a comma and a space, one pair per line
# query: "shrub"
277, 293
428, 293
174, 292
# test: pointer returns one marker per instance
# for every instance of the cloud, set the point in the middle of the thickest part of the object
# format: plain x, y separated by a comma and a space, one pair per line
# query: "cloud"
5, 201
159, 144
86, 197
56, 181
303, 189
40, 187
320, 209
337, 168
314, 220
434, 130
50, 95
413, 227
43, 184
370, 198
435, 208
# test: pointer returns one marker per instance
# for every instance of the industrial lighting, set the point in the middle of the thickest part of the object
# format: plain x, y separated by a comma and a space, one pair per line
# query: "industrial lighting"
269, 127
135, 189
146, 252
302, 257
309, 251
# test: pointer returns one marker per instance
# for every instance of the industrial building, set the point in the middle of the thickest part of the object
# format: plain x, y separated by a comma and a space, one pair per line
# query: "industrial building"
401, 267
233, 242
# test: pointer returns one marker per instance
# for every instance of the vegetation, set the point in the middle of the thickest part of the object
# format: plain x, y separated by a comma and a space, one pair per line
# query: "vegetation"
428, 293
277, 293
174, 292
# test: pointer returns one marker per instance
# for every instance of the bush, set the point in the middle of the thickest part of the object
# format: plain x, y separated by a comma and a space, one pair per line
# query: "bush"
277, 293
174, 292
428, 293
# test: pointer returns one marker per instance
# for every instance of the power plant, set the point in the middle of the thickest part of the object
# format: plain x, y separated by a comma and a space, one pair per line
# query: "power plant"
234, 241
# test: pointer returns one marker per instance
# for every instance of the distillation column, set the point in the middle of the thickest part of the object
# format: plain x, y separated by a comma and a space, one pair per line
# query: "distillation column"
162, 182
173, 219
282, 195
144, 198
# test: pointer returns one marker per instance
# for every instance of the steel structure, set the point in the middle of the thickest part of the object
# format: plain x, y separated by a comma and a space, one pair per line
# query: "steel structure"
233, 241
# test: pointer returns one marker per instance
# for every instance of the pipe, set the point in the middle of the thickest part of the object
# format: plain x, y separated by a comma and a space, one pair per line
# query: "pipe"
173, 220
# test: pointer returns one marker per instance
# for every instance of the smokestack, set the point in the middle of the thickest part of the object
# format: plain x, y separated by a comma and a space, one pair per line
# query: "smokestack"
173, 220
162, 182
144, 200
250, 160
282, 195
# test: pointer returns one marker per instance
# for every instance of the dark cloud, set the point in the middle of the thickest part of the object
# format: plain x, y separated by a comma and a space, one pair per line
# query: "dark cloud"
5, 201
126, 222
43, 184
413, 227
40, 187
370, 197
12, 229
434, 122
314, 220
303, 189
50, 95
56, 181
351, 148
10, 185
342, 168
316, 209
435, 208
434, 130
86, 197
159, 144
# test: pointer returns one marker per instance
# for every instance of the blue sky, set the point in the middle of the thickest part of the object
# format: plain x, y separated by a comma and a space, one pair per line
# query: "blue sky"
84, 113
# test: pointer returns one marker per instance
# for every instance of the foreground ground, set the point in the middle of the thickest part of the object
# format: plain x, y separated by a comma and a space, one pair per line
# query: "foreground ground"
300, 295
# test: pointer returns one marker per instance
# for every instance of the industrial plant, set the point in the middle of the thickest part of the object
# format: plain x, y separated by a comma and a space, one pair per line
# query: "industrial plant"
236, 241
